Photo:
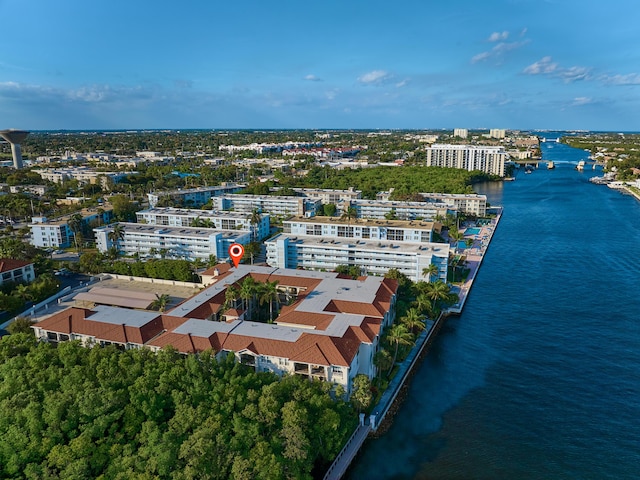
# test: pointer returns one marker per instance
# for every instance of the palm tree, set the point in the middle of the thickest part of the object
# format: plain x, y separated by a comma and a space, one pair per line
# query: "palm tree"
350, 213
382, 360
456, 236
398, 335
116, 234
197, 222
75, 224
269, 293
230, 296
413, 321
255, 220
161, 302
437, 291
208, 223
247, 291
100, 214
430, 271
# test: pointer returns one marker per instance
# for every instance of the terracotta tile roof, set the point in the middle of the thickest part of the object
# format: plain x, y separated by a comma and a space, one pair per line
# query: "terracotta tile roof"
355, 308
8, 264
333, 350
221, 268
78, 321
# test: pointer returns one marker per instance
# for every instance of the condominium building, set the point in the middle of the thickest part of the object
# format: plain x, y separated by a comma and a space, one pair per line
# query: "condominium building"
327, 196
460, 132
415, 231
16, 271
382, 209
194, 196
469, 203
272, 204
223, 220
187, 243
467, 157
29, 189
373, 257
497, 133
327, 329
57, 233
83, 175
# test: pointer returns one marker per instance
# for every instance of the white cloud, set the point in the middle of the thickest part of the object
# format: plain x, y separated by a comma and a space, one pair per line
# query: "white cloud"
578, 101
574, 74
498, 36
628, 79
402, 83
480, 57
312, 78
543, 66
375, 77
546, 66
499, 49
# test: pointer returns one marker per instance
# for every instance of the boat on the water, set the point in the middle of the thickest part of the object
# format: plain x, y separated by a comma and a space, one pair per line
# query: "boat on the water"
550, 165
580, 165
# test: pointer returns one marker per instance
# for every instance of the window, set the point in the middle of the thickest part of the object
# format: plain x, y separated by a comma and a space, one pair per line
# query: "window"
314, 230
366, 232
345, 231
395, 234
228, 224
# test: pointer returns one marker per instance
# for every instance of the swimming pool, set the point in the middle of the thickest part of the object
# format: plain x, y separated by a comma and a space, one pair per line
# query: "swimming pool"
472, 231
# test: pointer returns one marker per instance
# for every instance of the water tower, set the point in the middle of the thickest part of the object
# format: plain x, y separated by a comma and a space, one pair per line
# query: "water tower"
14, 137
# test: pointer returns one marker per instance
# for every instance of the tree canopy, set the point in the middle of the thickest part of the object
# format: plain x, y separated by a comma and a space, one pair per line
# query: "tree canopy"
74, 412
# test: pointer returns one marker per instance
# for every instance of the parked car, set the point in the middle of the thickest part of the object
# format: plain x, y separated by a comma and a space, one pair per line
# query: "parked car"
63, 272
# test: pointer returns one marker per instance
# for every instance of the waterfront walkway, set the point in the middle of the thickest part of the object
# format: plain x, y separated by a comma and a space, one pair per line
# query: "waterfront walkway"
474, 256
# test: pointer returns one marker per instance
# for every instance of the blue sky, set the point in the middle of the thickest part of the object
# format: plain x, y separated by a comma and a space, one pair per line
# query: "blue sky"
515, 64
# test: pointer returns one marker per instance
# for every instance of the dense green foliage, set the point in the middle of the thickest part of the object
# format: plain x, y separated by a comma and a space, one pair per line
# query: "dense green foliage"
73, 412
621, 151
166, 269
404, 180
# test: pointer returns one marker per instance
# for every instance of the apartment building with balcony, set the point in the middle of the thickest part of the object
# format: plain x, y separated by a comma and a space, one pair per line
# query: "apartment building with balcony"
382, 209
56, 233
194, 196
272, 204
469, 203
221, 220
373, 257
410, 231
487, 159
187, 243
327, 196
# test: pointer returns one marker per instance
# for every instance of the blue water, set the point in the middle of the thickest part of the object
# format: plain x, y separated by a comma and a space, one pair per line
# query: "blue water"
472, 231
539, 378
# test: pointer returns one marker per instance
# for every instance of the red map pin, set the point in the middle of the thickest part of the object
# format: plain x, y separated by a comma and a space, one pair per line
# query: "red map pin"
236, 252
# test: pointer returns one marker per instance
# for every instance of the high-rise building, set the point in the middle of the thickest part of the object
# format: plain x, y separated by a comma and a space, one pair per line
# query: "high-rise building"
497, 133
460, 132
467, 157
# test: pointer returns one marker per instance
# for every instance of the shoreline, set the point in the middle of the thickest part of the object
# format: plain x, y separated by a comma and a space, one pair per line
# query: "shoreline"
377, 424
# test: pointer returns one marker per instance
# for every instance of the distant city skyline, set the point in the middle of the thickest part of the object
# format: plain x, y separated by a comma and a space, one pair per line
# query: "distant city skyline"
508, 64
